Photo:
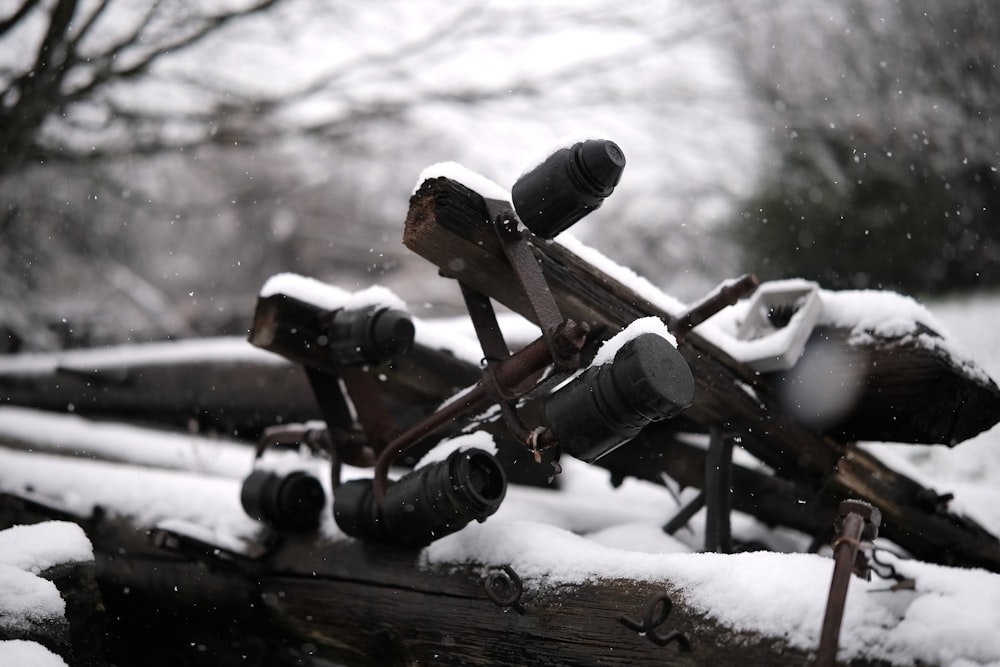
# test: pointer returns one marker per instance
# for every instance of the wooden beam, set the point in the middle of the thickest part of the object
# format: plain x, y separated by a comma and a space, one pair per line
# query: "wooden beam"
448, 225
233, 396
356, 604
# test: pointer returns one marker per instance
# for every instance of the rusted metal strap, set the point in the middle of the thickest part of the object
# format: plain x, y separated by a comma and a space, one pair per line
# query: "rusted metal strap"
523, 261
484, 322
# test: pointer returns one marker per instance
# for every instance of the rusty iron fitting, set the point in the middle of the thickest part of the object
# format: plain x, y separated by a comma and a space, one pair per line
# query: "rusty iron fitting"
872, 520
856, 521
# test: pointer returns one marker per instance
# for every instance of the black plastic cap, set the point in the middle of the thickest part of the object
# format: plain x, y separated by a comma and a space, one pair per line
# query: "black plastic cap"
479, 480
608, 405
653, 377
373, 335
601, 163
425, 504
392, 334
567, 186
287, 502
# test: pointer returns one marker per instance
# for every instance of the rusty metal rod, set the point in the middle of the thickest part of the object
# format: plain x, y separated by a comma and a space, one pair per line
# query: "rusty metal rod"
845, 549
726, 294
510, 373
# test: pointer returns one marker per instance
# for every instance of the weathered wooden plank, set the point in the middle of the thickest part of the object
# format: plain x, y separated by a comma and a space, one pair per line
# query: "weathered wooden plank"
903, 389
447, 224
567, 625
353, 604
233, 396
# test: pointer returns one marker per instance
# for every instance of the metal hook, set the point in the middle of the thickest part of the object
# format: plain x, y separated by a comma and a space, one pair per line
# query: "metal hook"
650, 622
504, 588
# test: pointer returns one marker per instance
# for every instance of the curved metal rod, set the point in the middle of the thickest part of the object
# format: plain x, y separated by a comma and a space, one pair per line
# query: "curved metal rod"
511, 374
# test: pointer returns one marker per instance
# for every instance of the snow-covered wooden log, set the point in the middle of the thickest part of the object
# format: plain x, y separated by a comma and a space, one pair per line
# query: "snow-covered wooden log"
900, 375
220, 384
448, 224
185, 572
340, 601
49, 595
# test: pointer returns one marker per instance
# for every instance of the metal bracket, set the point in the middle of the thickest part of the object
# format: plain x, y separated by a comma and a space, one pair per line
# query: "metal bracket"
529, 274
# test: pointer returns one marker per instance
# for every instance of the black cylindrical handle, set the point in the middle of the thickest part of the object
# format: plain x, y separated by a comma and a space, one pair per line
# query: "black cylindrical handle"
372, 335
425, 504
289, 502
568, 185
607, 405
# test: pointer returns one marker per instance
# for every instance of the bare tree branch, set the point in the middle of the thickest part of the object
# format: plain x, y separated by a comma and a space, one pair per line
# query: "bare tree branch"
15, 18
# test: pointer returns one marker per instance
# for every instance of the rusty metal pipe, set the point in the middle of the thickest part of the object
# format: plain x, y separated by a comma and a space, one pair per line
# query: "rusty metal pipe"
845, 549
726, 294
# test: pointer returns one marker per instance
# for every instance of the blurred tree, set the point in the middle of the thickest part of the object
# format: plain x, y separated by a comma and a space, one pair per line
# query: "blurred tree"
884, 167
160, 160
67, 61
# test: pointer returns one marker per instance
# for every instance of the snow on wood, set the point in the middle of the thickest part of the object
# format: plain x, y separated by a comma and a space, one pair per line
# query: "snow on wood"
146, 495
28, 654
38, 547
472, 180
41, 567
609, 348
137, 354
222, 384
328, 296
28, 602
585, 534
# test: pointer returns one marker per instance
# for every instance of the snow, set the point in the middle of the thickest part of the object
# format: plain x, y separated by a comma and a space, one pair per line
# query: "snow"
120, 356
40, 546
868, 315
326, 296
147, 495
28, 654
644, 325
476, 440
622, 274
470, 179
70, 435
951, 616
27, 601
190, 484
